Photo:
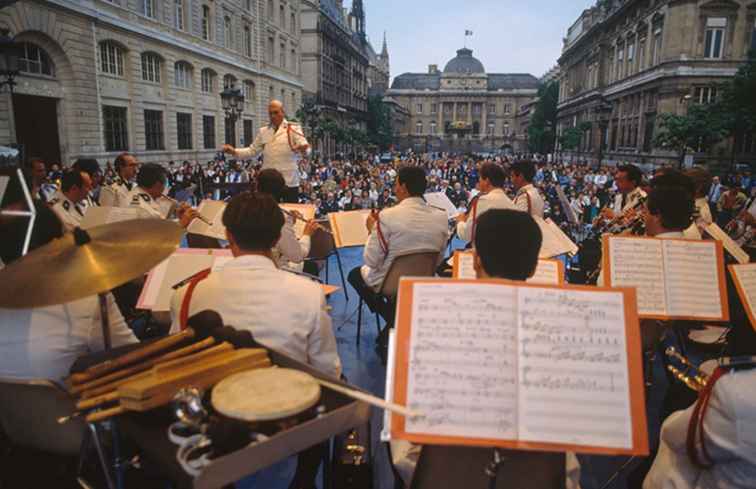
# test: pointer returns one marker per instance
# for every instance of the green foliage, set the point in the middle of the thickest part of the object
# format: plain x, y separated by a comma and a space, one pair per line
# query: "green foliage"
700, 129
737, 100
379, 130
571, 137
543, 121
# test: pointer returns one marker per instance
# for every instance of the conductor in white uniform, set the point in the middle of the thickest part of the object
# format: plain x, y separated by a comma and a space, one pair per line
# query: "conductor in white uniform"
281, 143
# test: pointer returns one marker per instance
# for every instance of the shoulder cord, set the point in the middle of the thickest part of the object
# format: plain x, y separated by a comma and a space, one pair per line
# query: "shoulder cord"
381, 237
474, 212
195, 279
696, 424
289, 130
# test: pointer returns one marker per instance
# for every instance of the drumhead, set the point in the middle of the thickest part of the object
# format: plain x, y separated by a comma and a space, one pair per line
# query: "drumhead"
265, 394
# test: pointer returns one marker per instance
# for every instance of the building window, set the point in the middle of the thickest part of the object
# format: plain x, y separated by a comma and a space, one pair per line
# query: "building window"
35, 60
249, 92
293, 23
151, 65
184, 127
271, 93
419, 108
505, 131
641, 54
271, 50
282, 17
227, 37
630, 58
115, 128
229, 81
705, 95
270, 10
153, 130
183, 74
208, 131
206, 23
620, 61
208, 80
447, 108
247, 41
476, 109
230, 131
492, 109
491, 128
507, 108
178, 13
282, 56
149, 8
419, 128
111, 58
248, 132
293, 60
656, 49
714, 38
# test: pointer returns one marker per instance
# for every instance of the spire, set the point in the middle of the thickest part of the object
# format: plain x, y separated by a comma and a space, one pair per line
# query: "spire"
384, 51
358, 12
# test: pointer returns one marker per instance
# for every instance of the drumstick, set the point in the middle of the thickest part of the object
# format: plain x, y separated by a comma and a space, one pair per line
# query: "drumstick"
370, 399
132, 357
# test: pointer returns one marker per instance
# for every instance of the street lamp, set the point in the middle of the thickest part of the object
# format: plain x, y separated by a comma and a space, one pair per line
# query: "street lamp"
10, 52
232, 100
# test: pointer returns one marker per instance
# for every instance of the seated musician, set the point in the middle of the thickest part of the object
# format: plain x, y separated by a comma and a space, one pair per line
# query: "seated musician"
282, 311
628, 179
411, 225
44, 342
492, 196
527, 199
70, 202
148, 194
670, 205
702, 183
289, 252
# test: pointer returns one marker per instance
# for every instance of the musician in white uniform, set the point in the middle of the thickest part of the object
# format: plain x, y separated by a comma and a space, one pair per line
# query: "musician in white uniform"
91, 168
281, 143
527, 199
148, 193
69, 202
282, 310
628, 179
408, 226
116, 194
492, 196
701, 180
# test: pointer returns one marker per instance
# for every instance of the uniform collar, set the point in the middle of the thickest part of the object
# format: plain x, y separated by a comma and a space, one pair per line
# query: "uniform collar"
142, 191
284, 125
525, 188
250, 261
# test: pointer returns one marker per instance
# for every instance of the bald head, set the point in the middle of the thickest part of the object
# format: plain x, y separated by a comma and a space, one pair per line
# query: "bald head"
276, 112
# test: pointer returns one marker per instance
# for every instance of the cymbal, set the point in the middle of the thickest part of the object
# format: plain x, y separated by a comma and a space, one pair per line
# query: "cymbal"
86, 263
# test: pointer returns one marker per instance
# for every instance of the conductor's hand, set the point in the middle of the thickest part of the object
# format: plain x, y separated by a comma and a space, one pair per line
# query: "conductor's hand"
310, 227
187, 216
227, 148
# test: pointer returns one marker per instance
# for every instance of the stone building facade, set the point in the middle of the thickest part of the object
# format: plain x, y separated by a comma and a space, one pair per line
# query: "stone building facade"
625, 62
462, 108
104, 76
379, 70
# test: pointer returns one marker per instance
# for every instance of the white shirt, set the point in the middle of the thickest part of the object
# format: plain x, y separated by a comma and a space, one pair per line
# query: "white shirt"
631, 200
495, 199
528, 199
44, 342
116, 194
730, 432
411, 225
139, 197
282, 311
69, 212
291, 250
276, 147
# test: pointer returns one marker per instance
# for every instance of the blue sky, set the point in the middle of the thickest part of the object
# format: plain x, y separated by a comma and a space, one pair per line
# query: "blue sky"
509, 36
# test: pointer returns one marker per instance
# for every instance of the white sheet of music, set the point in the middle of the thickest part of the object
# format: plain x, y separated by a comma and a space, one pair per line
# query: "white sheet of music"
350, 227
212, 210
640, 263
441, 200
546, 272
499, 361
101, 215
729, 244
745, 275
3, 185
572, 354
692, 282
466, 265
554, 242
463, 360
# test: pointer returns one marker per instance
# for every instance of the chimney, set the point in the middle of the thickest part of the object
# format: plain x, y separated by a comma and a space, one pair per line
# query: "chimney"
432, 69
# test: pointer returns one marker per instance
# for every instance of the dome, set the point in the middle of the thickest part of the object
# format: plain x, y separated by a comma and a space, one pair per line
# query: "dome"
464, 63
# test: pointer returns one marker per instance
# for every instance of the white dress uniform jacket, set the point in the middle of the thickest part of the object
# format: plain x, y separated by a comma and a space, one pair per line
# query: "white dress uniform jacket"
282, 311
277, 149
44, 342
730, 433
69, 212
290, 250
495, 199
631, 200
409, 226
116, 194
139, 197
529, 200
695, 231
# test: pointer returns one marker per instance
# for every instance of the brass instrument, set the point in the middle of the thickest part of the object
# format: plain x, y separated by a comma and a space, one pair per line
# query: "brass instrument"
631, 219
177, 204
688, 373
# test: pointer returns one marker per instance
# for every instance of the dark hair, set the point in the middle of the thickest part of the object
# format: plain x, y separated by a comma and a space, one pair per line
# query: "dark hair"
633, 173
508, 243
121, 160
270, 181
494, 173
701, 181
254, 220
88, 166
412, 177
671, 198
70, 179
150, 174
47, 227
524, 168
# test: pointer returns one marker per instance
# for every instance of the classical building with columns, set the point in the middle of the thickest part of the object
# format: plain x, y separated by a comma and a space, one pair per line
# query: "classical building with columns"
626, 62
462, 108
99, 77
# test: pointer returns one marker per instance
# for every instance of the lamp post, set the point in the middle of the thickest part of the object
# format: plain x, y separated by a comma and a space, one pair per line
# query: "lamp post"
232, 101
10, 52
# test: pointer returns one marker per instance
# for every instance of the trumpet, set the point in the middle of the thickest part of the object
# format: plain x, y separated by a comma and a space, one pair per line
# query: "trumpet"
688, 373
630, 219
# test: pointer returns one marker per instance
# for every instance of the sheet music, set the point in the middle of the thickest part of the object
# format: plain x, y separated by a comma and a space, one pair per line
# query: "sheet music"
555, 242
745, 276
441, 200
307, 211
349, 227
731, 246
568, 244
639, 263
101, 215
546, 272
566, 207
692, 285
465, 265
212, 210
573, 378
463, 360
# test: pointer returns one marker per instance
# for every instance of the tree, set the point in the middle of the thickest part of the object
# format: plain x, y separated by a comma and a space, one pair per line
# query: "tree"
379, 130
571, 137
737, 103
309, 116
700, 129
544, 120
